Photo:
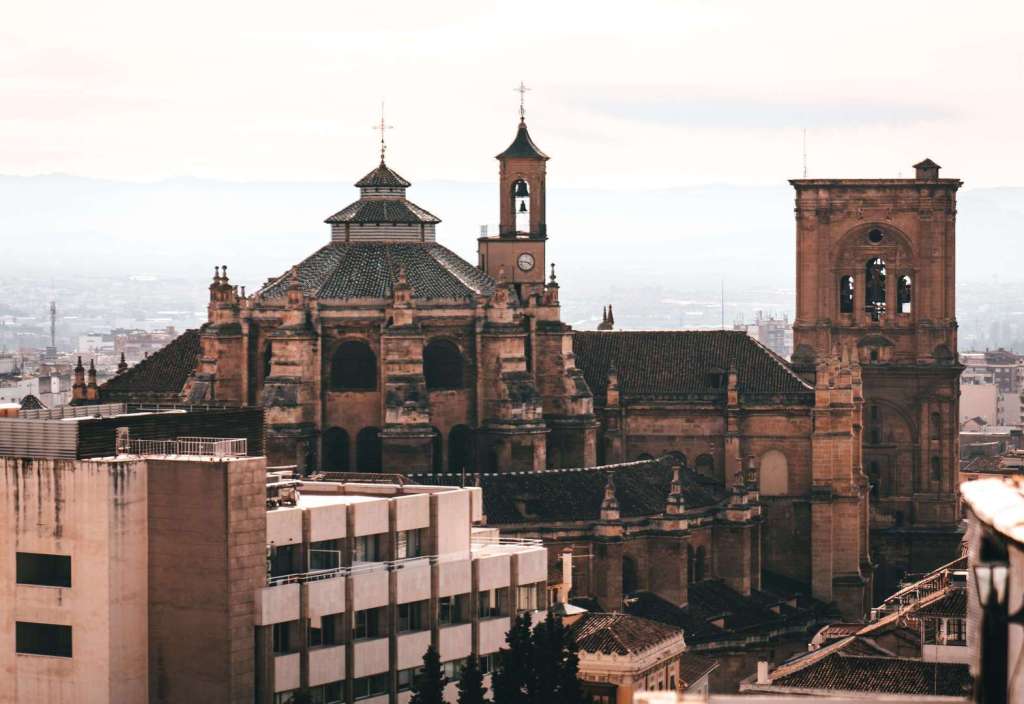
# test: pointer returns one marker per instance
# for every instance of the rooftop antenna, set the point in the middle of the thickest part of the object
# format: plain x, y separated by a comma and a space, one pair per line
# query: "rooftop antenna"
53, 324
382, 128
522, 90
805, 152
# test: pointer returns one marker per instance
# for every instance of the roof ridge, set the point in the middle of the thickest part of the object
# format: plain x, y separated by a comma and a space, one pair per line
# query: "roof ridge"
816, 656
779, 360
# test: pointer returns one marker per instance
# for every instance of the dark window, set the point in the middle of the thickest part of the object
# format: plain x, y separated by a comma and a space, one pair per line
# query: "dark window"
364, 687
282, 637
368, 623
327, 693
875, 236
442, 365
44, 570
903, 294
42, 639
629, 576
437, 451
368, 548
354, 367
936, 426
327, 633
268, 356
325, 555
874, 289
368, 450
846, 294
283, 560
460, 449
705, 466
336, 450
409, 543
936, 468
413, 616
678, 457
453, 609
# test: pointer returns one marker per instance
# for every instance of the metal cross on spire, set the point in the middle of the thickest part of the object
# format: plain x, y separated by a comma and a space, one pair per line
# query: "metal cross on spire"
522, 89
382, 128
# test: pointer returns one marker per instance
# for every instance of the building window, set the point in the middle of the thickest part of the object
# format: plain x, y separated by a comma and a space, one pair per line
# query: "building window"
705, 466
409, 543
354, 367
281, 560
327, 633
284, 640
406, 678
368, 548
903, 286
43, 570
494, 603
453, 609
442, 365
488, 663
956, 631
530, 597
336, 450
936, 426
333, 693
368, 623
936, 468
325, 555
369, 452
42, 639
846, 294
874, 290
413, 616
453, 668
365, 687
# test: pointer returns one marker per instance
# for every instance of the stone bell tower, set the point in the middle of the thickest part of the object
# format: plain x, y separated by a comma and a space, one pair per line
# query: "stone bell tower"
876, 280
517, 253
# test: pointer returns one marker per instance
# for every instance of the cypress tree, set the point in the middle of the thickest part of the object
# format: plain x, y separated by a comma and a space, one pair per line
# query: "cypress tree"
430, 682
511, 681
471, 683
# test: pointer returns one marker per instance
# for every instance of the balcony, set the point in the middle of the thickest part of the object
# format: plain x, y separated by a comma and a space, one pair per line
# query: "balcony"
326, 664
286, 672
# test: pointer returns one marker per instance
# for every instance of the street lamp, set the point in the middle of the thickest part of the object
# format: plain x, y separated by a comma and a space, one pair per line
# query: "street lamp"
992, 578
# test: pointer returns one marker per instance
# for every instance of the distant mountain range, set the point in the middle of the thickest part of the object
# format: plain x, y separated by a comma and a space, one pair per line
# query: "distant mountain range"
678, 238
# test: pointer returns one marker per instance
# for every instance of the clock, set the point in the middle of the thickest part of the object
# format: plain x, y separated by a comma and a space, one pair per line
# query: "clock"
525, 261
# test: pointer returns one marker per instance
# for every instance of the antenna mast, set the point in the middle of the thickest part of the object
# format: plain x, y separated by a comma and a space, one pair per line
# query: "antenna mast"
53, 324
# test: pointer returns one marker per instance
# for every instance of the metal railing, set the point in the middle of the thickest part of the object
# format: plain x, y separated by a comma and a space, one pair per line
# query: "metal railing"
206, 447
384, 565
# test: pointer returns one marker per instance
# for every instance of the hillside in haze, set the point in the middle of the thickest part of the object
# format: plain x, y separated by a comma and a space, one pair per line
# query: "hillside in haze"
688, 238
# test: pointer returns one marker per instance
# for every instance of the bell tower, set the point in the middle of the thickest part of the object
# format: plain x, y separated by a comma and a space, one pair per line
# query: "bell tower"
876, 281
517, 253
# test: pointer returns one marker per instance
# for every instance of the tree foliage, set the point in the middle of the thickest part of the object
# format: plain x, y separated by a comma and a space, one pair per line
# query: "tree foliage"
430, 682
539, 666
471, 683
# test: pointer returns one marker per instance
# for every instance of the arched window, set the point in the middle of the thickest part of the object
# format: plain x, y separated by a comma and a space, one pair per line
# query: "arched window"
268, 356
774, 474
846, 294
521, 205
368, 450
460, 449
903, 296
874, 289
705, 466
629, 575
936, 468
936, 426
699, 566
336, 450
442, 365
353, 367
874, 425
678, 457
437, 452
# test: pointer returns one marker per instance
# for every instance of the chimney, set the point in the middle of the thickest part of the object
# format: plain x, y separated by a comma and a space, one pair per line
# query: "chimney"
566, 575
762, 672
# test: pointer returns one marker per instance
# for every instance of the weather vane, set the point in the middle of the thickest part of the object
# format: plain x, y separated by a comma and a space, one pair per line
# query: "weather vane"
522, 100
382, 127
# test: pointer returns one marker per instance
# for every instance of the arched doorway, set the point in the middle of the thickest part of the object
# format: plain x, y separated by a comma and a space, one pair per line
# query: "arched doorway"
460, 449
336, 450
368, 450
443, 365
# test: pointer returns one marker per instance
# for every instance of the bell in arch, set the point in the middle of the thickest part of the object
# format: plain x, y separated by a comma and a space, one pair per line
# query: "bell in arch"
521, 190
522, 206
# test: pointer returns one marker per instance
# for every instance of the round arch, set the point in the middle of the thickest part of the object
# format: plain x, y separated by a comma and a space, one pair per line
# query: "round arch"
353, 367
443, 365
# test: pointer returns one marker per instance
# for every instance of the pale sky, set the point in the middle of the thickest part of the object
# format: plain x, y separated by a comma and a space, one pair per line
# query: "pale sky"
632, 94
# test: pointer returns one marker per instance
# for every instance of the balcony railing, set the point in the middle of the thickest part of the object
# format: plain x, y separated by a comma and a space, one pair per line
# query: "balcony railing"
205, 447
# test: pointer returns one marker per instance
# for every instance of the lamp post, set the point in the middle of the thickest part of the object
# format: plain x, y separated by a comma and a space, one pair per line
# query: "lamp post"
991, 579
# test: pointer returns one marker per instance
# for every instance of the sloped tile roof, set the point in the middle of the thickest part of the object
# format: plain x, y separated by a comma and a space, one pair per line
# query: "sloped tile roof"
555, 495
651, 606
372, 211
162, 373
382, 177
617, 633
31, 403
693, 667
522, 146
951, 605
369, 270
856, 673
686, 364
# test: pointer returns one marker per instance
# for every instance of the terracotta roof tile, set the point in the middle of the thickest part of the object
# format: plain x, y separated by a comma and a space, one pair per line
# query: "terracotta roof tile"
686, 365
368, 211
161, 374
856, 673
617, 633
522, 146
382, 177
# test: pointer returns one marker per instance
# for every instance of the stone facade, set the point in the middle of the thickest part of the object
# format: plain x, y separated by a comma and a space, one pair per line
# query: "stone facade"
876, 281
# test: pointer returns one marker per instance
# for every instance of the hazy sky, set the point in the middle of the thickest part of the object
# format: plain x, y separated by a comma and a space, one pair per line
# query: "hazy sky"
636, 94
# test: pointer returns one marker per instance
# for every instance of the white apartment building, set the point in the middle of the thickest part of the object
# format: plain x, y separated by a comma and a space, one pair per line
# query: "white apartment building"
364, 577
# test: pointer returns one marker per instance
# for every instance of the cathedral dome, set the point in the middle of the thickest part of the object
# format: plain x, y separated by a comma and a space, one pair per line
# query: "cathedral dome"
369, 270
382, 213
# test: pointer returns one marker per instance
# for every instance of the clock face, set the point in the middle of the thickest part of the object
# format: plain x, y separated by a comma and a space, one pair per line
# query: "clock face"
525, 261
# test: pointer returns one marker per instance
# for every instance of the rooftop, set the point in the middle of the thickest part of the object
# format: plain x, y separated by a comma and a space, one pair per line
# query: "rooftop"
620, 634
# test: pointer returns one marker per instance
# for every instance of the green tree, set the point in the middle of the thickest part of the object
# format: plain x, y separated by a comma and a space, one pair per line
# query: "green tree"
511, 681
555, 664
471, 683
430, 682
570, 691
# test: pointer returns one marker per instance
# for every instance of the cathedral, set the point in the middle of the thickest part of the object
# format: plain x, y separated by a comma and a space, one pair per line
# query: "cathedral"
383, 351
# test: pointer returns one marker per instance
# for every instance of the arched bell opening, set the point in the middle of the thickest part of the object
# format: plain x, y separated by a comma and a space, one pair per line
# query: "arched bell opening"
521, 205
